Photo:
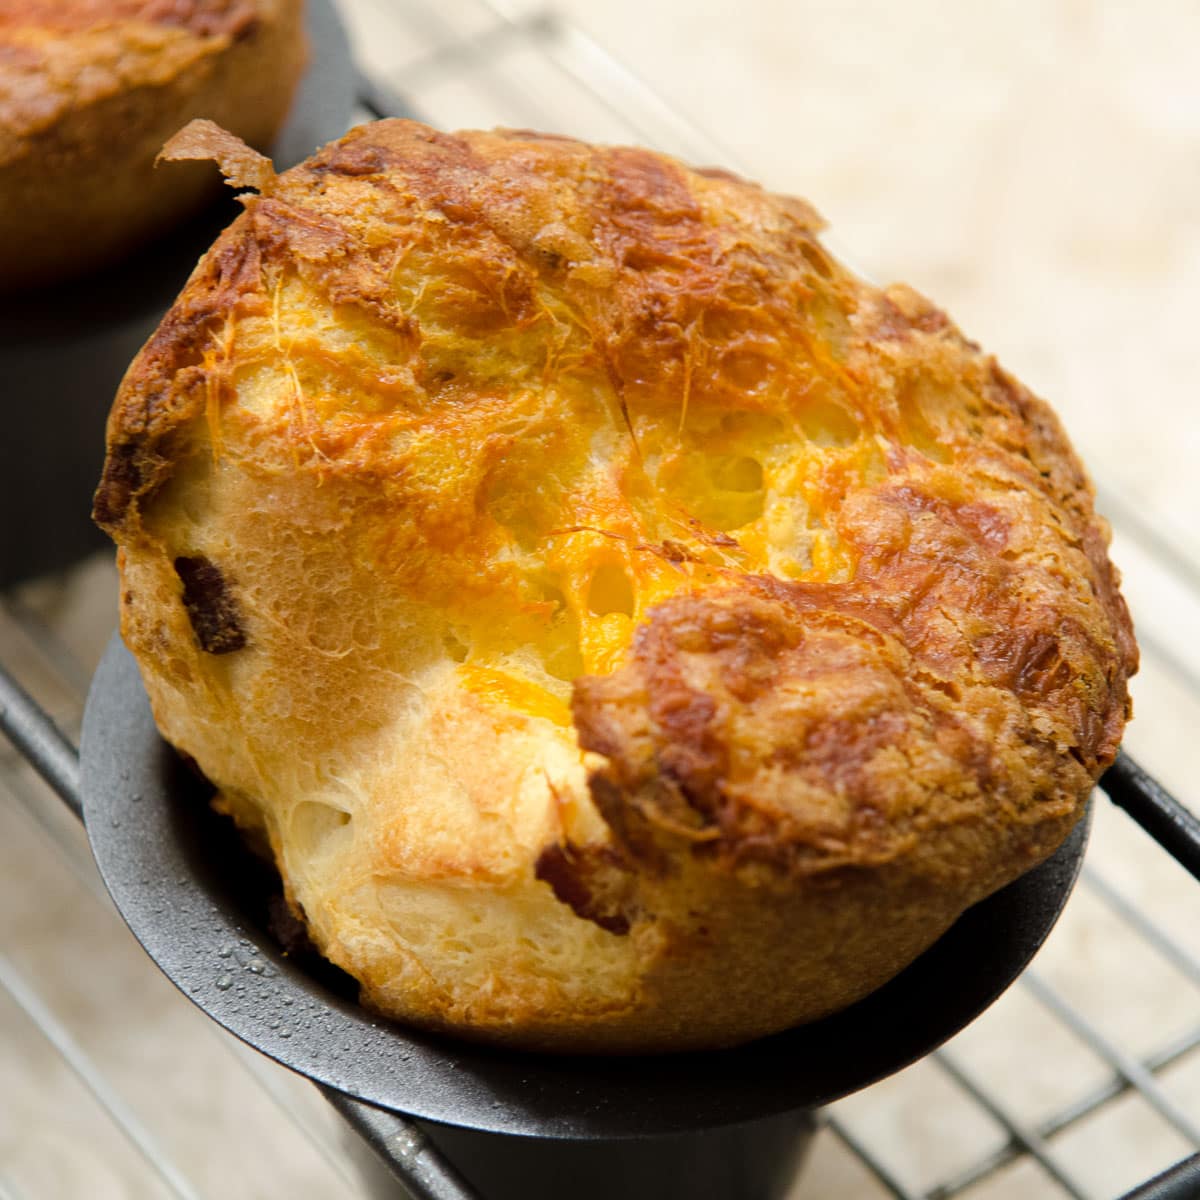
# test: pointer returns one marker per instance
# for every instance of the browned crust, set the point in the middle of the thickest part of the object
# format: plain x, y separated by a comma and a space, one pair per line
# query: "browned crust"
927, 563
919, 715
90, 90
205, 18
634, 209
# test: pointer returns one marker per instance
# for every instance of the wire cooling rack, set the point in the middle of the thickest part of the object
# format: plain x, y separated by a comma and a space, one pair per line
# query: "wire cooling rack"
1083, 1081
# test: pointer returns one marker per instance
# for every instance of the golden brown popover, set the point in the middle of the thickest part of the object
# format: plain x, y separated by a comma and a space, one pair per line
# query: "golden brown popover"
631, 630
90, 90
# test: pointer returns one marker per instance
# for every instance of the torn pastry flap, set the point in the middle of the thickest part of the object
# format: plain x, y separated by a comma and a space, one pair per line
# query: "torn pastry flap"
242, 166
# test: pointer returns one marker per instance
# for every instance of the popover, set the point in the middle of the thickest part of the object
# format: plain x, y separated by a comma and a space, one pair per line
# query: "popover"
90, 90
630, 630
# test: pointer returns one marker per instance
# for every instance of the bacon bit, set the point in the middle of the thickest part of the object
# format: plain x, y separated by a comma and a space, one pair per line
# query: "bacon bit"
210, 605
566, 870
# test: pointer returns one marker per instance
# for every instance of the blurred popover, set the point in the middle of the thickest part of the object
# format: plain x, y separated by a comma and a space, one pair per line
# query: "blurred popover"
630, 630
90, 90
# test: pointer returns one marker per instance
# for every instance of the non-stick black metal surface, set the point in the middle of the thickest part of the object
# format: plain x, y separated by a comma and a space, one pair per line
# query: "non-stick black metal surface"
200, 905
63, 350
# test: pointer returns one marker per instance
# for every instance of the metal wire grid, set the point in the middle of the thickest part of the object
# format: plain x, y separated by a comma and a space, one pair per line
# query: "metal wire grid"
472, 63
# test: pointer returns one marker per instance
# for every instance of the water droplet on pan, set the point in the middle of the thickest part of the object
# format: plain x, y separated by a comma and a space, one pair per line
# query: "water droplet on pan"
224, 983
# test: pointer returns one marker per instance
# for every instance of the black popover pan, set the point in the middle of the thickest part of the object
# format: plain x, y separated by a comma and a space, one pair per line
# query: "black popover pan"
64, 349
202, 907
